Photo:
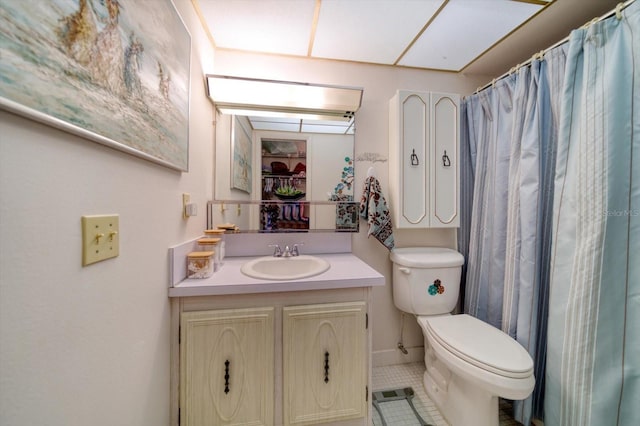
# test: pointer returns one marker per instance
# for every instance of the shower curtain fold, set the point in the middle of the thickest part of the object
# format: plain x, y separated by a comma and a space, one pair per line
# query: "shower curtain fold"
511, 129
593, 373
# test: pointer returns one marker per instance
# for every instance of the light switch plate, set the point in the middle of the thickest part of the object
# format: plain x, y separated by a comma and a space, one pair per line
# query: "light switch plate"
100, 238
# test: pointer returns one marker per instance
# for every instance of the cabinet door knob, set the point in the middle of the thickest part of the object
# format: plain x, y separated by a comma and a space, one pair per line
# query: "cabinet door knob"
226, 376
326, 367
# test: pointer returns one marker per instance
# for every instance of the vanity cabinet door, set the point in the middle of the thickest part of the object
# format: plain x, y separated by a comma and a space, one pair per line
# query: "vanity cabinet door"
325, 363
226, 362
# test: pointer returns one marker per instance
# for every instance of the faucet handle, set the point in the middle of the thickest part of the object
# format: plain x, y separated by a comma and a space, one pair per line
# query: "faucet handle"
277, 252
296, 251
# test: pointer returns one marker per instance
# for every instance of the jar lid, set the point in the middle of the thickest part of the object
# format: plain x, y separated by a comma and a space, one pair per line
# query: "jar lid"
227, 226
214, 231
208, 241
199, 254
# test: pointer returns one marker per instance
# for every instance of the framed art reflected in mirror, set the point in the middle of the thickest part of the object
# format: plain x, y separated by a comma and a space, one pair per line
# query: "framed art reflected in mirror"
241, 155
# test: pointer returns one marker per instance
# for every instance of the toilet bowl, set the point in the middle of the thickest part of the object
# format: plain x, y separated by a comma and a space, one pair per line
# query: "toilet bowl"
469, 363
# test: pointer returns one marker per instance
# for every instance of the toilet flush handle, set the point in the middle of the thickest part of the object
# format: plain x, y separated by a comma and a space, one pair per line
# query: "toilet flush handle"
404, 270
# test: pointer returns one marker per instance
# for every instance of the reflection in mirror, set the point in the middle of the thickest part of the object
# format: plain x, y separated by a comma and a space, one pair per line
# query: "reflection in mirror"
301, 174
284, 216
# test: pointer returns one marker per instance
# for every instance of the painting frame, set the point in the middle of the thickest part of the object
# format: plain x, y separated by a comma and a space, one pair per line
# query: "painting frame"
241, 156
115, 72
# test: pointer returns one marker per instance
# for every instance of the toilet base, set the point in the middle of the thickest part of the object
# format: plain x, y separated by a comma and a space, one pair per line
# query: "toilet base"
462, 403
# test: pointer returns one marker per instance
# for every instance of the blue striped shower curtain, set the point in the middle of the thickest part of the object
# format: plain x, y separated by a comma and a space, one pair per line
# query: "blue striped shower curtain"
593, 360
507, 158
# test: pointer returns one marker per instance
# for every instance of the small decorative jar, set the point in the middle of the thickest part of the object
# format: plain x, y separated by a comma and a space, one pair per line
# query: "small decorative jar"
211, 244
200, 264
217, 233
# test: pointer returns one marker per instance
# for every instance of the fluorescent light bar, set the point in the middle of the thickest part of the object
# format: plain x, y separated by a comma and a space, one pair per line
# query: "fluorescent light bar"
245, 96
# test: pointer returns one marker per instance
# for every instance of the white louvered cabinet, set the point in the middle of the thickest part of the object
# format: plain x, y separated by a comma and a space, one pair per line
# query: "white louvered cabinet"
324, 363
423, 159
226, 359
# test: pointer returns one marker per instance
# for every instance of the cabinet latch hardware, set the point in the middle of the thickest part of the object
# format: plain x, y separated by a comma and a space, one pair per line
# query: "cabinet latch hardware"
414, 158
445, 160
226, 376
326, 367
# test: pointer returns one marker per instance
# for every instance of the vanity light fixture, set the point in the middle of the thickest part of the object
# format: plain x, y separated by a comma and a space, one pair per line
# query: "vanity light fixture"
250, 96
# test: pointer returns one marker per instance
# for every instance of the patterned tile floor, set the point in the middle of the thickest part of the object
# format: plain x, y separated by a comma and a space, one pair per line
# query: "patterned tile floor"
398, 413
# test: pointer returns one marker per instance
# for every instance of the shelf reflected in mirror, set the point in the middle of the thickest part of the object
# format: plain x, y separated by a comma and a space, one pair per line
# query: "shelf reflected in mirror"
284, 216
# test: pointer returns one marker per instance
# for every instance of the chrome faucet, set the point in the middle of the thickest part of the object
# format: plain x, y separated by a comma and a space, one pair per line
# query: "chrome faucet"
277, 252
288, 251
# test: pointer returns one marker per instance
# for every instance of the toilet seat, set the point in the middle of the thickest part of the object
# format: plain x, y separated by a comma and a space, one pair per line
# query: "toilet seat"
479, 344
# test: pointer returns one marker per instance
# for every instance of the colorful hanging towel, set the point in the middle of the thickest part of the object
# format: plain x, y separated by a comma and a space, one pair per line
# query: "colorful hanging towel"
373, 208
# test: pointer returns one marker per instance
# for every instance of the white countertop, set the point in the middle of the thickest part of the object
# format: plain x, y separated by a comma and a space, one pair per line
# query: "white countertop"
346, 270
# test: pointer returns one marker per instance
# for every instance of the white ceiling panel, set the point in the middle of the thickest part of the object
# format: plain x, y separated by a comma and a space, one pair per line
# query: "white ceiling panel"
277, 124
464, 30
298, 125
272, 26
376, 31
319, 128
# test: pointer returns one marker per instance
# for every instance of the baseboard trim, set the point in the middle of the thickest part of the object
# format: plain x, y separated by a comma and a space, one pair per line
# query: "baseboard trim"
395, 356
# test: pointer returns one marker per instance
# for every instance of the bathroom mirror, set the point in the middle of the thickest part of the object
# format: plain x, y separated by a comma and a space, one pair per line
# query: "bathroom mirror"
297, 169
283, 154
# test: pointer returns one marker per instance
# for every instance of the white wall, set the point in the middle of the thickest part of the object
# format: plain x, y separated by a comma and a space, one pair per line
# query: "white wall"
380, 84
90, 345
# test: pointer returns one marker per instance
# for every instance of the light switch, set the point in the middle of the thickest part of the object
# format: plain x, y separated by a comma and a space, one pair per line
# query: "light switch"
100, 238
186, 199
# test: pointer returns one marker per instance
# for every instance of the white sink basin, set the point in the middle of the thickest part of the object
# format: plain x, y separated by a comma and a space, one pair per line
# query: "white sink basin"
285, 268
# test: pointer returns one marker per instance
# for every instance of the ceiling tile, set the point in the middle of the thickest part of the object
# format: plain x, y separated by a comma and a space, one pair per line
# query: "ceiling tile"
318, 128
274, 26
284, 125
374, 31
463, 30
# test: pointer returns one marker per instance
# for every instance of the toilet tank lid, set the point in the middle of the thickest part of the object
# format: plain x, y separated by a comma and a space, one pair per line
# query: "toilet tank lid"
426, 257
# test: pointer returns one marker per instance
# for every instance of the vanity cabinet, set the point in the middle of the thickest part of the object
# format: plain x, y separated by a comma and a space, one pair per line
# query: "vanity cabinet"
423, 159
325, 363
226, 360
277, 346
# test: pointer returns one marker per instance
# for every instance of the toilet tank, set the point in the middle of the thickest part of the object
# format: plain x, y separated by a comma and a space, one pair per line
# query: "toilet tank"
426, 280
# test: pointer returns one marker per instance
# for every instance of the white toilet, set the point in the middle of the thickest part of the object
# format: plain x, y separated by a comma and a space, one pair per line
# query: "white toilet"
469, 363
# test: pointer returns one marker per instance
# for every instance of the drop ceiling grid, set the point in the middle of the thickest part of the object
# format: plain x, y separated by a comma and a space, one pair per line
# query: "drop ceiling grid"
370, 31
464, 30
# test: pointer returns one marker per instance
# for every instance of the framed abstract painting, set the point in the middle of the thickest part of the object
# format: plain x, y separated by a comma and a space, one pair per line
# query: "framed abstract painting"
116, 72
